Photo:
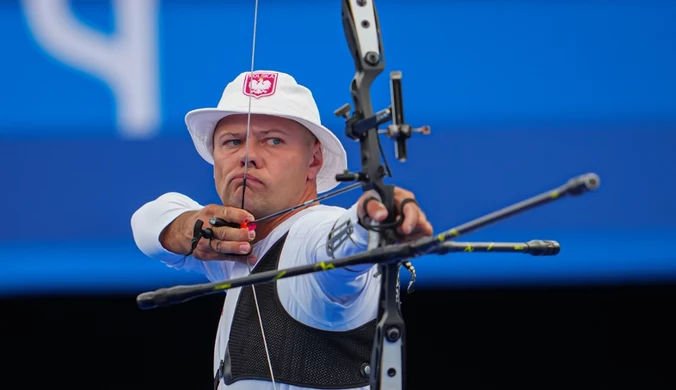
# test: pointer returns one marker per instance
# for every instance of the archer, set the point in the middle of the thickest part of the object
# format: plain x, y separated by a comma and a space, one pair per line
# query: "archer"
314, 331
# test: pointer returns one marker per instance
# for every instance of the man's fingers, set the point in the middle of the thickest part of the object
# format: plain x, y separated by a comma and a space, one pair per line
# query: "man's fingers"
411, 216
424, 226
224, 247
210, 255
423, 229
376, 210
236, 215
414, 224
411, 212
226, 233
230, 214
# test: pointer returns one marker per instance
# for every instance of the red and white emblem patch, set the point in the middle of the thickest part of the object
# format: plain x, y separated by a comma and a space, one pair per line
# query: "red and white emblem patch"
260, 84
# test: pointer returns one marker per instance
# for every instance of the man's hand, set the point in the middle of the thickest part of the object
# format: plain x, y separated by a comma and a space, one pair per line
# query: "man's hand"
227, 241
415, 224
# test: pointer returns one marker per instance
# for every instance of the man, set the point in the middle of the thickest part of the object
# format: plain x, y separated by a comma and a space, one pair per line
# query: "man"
311, 331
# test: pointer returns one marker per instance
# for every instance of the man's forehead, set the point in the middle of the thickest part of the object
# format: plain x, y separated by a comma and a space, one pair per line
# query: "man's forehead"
260, 124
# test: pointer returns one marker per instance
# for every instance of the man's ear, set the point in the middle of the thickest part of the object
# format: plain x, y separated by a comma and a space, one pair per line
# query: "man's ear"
316, 161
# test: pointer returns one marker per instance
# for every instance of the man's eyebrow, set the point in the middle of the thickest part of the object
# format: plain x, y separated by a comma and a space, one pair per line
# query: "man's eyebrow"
231, 134
265, 132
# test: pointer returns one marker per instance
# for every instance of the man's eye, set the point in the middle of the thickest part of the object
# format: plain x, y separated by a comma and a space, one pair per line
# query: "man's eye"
275, 141
231, 142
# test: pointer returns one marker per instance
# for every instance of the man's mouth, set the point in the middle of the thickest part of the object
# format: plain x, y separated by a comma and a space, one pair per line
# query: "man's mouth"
239, 179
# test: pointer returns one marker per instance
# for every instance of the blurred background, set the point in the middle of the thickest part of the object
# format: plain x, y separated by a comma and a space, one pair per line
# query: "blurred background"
520, 95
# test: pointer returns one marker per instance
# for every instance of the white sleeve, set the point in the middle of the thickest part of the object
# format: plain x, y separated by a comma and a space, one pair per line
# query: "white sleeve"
342, 285
148, 222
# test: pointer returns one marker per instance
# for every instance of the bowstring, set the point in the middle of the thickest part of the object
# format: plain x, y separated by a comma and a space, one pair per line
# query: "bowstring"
246, 167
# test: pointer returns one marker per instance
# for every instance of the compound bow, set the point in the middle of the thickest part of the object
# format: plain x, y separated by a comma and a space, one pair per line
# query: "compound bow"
362, 30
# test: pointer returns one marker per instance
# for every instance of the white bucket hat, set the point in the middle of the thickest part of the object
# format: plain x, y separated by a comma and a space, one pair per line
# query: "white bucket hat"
272, 93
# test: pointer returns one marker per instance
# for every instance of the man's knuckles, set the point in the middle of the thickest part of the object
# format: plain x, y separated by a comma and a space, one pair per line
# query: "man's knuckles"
227, 213
402, 193
220, 247
206, 246
410, 208
376, 210
200, 254
208, 255
214, 209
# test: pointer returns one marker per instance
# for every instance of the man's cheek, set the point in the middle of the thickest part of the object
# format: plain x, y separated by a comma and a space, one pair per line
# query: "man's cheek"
219, 179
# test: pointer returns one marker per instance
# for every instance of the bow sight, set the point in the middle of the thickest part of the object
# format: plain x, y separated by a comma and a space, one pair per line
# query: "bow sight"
357, 127
362, 31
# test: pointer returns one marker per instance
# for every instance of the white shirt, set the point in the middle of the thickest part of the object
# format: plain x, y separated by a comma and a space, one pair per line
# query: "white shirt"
338, 299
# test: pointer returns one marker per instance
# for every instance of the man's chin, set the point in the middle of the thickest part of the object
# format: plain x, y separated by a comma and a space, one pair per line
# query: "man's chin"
250, 203
239, 192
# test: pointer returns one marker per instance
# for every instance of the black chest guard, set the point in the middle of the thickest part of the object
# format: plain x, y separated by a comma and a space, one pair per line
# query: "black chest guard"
301, 355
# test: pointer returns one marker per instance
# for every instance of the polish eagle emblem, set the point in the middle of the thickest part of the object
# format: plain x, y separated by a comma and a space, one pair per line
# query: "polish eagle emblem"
260, 84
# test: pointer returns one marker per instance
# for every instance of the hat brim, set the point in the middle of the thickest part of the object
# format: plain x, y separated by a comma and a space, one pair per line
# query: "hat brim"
202, 122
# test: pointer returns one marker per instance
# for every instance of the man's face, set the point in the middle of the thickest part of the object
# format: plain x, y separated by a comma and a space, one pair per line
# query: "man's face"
284, 160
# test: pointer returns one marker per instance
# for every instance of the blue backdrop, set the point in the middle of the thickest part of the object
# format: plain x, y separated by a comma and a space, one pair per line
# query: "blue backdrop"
520, 95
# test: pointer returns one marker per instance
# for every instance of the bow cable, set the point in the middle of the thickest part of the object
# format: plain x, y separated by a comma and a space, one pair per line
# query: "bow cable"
246, 166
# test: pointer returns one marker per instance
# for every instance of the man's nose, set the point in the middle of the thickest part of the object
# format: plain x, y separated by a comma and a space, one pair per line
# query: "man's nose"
249, 153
